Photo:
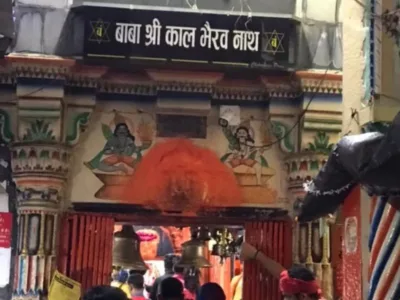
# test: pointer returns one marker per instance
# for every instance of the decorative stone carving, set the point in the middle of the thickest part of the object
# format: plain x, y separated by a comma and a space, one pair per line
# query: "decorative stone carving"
49, 125
39, 130
312, 240
283, 134
302, 167
321, 143
52, 159
5, 127
53, 110
76, 125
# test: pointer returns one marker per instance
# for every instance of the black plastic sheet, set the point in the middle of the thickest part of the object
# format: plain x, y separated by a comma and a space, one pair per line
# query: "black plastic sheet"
370, 159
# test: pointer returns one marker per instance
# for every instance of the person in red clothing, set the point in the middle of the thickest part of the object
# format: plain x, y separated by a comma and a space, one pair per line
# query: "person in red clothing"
179, 274
136, 283
296, 283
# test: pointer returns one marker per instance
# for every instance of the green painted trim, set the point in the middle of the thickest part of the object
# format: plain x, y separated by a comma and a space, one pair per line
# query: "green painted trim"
323, 127
332, 130
321, 143
75, 125
330, 121
5, 126
39, 108
40, 114
39, 130
281, 132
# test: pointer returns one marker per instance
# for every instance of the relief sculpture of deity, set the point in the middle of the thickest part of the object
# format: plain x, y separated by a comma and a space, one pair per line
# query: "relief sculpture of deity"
247, 158
243, 151
121, 152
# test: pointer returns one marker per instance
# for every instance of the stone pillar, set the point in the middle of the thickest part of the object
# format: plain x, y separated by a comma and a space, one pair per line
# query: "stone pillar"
318, 131
48, 125
312, 246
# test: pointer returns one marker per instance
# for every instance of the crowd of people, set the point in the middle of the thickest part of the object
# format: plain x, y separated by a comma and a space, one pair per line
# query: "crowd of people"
173, 285
297, 283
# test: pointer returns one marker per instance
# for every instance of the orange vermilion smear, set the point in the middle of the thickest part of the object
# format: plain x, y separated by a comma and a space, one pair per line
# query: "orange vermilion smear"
178, 175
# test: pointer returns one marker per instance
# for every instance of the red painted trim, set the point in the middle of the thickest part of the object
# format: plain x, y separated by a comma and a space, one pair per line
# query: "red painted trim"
86, 254
63, 245
264, 245
91, 237
389, 277
102, 245
109, 246
352, 262
272, 238
81, 242
72, 266
386, 222
96, 256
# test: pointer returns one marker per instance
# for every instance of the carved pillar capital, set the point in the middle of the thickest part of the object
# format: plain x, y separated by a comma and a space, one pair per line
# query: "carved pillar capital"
40, 171
302, 167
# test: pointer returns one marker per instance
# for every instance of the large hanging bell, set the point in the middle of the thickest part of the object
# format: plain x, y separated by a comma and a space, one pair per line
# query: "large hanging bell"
193, 255
126, 250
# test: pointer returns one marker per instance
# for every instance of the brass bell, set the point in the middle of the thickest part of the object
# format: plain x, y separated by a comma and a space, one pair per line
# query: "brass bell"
193, 255
126, 250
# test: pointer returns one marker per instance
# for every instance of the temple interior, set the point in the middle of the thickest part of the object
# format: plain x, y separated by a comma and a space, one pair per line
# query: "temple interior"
206, 254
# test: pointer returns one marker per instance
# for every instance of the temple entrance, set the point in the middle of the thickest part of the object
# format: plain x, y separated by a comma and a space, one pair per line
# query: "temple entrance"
86, 251
181, 199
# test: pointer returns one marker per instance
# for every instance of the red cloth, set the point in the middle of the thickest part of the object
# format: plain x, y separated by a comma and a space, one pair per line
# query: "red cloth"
138, 298
294, 286
186, 293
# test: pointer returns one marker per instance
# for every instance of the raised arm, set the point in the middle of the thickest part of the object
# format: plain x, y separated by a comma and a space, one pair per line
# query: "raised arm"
248, 252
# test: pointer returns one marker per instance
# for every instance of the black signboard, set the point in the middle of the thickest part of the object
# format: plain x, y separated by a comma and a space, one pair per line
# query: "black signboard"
185, 36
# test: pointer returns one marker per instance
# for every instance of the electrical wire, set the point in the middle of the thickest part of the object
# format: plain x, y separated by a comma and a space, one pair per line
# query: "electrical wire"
34, 91
300, 117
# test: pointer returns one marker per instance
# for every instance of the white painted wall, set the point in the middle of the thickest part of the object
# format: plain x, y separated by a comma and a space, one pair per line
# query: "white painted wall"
316, 10
353, 62
354, 33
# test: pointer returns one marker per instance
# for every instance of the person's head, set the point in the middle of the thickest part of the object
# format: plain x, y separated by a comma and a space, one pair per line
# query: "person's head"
179, 269
104, 293
122, 276
211, 291
242, 134
170, 289
299, 283
114, 274
141, 272
136, 282
169, 261
122, 130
